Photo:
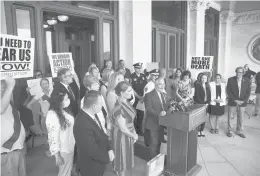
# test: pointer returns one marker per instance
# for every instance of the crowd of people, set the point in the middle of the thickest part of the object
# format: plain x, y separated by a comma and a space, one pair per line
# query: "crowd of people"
95, 121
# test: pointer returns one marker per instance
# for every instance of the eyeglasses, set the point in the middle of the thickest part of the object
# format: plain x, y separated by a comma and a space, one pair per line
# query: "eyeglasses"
68, 76
239, 72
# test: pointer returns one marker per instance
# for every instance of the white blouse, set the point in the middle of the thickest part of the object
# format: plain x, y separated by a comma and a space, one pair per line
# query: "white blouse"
60, 140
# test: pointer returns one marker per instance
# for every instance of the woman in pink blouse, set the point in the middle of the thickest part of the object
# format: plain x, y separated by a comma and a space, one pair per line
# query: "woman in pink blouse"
60, 132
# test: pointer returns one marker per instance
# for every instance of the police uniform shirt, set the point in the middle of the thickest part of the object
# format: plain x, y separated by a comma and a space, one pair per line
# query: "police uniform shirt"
138, 83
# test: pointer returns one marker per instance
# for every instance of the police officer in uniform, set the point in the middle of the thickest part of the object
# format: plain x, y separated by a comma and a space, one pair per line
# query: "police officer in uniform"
138, 81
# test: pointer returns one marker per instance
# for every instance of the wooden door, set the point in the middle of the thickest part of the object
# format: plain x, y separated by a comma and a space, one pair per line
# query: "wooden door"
211, 49
76, 40
166, 48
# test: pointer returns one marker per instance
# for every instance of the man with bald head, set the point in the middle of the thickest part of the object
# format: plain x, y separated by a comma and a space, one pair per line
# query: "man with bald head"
155, 106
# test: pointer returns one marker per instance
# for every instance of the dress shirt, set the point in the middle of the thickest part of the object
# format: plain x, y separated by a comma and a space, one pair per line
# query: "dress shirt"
60, 140
65, 85
94, 118
7, 130
159, 94
239, 82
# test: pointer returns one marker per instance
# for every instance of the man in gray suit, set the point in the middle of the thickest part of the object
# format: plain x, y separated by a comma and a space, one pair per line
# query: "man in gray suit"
155, 106
238, 91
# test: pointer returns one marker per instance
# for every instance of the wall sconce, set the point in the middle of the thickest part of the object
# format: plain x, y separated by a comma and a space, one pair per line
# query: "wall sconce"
92, 37
52, 21
45, 26
63, 18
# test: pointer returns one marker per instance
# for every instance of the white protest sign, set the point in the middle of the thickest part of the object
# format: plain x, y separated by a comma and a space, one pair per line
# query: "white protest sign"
37, 85
201, 63
16, 56
60, 60
152, 65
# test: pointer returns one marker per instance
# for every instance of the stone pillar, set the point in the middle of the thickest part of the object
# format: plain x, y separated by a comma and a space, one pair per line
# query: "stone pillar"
195, 29
142, 32
226, 18
3, 20
126, 32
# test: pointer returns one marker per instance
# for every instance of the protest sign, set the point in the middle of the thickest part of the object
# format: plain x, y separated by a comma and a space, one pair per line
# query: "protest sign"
17, 56
60, 60
152, 65
201, 63
36, 87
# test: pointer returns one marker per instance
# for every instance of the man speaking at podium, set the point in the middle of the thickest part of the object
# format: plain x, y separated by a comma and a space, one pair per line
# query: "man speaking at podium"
155, 105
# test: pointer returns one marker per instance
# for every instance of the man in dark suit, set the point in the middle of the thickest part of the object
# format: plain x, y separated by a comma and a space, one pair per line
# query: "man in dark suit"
257, 92
94, 148
68, 81
127, 72
238, 91
155, 106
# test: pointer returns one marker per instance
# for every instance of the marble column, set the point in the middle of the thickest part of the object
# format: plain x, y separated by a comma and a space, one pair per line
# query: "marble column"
195, 29
142, 31
3, 21
126, 32
225, 27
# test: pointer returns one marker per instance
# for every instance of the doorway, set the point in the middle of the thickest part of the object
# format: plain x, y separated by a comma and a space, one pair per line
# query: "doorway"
75, 35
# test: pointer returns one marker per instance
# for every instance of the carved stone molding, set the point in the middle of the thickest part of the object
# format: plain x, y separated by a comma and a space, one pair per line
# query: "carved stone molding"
196, 5
226, 16
247, 17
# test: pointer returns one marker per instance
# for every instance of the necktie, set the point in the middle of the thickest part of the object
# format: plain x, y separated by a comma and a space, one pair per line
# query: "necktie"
98, 122
163, 100
71, 92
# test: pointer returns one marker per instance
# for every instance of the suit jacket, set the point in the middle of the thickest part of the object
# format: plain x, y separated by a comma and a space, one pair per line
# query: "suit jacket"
153, 107
213, 93
92, 146
74, 106
199, 94
233, 92
257, 82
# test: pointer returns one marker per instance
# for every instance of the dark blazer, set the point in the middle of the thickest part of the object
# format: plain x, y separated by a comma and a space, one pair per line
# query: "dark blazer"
232, 91
153, 107
249, 73
257, 82
74, 106
199, 94
92, 146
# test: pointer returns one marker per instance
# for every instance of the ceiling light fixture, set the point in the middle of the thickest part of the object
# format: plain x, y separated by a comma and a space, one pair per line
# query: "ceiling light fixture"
52, 21
63, 18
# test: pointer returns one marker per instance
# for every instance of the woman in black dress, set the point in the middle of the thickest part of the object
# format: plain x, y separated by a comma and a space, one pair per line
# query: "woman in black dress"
217, 104
202, 95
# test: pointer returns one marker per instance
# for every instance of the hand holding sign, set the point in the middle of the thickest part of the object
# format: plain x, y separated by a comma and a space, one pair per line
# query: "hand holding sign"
17, 56
61, 60
10, 82
201, 63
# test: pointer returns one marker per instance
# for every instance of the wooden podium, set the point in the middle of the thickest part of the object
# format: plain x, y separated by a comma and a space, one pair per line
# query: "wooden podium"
182, 140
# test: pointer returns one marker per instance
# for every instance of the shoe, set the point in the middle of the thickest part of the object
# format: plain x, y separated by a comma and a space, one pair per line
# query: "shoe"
199, 134
202, 134
216, 131
212, 131
241, 135
229, 134
255, 114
